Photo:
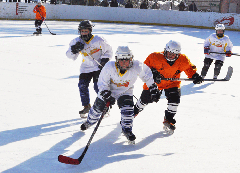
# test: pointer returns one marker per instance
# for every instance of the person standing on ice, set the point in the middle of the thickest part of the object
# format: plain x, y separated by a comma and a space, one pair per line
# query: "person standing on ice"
219, 43
96, 52
167, 64
40, 11
116, 82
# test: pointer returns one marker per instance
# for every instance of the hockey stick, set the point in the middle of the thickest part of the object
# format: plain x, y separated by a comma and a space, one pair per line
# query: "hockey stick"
69, 160
225, 53
227, 78
93, 58
46, 25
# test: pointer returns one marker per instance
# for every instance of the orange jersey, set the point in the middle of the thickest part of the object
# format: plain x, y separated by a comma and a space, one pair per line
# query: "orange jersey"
41, 10
158, 61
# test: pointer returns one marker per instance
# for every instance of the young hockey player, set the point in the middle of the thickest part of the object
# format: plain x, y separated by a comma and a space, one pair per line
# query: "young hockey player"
40, 11
116, 81
96, 52
167, 64
219, 43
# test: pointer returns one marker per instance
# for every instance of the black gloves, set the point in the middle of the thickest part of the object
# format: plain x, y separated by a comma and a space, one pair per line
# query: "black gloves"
156, 75
197, 78
103, 62
77, 47
106, 95
155, 93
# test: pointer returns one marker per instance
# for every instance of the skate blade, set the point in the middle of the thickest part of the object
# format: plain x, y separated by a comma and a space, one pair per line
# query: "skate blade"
167, 130
131, 142
83, 115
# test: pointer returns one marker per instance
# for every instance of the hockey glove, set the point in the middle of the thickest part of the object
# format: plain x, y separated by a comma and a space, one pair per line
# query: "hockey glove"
228, 53
106, 95
156, 75
43, 18
197, 78
206, 50
77, 47
103, 62
155, 93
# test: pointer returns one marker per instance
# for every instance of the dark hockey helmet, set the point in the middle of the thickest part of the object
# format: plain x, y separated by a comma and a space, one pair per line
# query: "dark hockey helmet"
220, 27
124, 53
85, 24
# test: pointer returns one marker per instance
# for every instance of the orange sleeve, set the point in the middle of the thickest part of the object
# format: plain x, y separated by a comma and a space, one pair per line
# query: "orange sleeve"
189, 68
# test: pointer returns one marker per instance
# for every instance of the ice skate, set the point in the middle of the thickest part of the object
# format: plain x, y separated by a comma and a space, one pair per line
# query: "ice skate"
85, 126
83, 113
130, 137
168, 126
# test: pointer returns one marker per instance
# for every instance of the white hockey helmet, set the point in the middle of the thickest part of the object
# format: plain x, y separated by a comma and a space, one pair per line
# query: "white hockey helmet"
220, 27
39, 2
173, 47
124, 53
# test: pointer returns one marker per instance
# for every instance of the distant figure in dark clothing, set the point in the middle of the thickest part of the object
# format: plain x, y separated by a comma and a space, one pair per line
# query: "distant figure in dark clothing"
192, 7
104, 3
114, 3
143, 5
129, 4
181, 6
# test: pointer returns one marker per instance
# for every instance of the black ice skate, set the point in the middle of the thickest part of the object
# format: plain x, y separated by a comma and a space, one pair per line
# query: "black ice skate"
85, 111
38, 31
168, 126
85, 126
130, 136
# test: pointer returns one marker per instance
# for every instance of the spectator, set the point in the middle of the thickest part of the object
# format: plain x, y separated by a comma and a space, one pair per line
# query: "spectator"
90, 2
192, 7
53, 2
104, 3
181, 6
144, 5
129, 4
114, 3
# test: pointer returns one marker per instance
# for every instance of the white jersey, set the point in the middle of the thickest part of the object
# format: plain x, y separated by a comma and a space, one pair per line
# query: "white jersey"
119, 84
97, 47
219, 45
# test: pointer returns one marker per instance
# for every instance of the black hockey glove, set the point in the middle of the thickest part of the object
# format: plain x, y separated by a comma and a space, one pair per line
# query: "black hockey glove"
197, 78
106, 95
156, 75
77, 47
155, 93
103, 62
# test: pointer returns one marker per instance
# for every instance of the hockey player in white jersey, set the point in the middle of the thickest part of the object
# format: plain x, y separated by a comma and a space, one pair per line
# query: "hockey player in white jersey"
96, 52
116, 82
220, 43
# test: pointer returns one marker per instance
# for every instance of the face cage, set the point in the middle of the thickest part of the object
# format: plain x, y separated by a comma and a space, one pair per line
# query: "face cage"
85, 37
130, 63
220, 35
165, 55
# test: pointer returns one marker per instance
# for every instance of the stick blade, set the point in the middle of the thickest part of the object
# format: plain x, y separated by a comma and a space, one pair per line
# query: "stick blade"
229, 73
68, 160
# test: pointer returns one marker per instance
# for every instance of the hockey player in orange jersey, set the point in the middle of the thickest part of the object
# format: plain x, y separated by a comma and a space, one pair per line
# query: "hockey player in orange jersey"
40, 11
167, 64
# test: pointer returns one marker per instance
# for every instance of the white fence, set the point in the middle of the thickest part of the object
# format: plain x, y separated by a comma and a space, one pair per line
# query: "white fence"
13, 10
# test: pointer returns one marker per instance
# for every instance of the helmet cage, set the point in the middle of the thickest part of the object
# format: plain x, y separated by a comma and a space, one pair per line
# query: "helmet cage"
172, 47
220, 27
85, 24
124, 57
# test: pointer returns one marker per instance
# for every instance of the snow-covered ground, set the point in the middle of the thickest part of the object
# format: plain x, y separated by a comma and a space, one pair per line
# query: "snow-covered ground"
40, 101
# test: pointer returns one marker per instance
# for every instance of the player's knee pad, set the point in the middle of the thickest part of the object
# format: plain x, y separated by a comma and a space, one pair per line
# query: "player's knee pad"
96, 111
125, 100
83, 85
173, 95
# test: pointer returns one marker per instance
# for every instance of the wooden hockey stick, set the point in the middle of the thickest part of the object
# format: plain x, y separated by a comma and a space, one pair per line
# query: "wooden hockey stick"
225, 53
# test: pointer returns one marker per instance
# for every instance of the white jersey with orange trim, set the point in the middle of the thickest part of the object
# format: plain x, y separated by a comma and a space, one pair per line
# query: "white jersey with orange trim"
97, 47
219, 45
119, 84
